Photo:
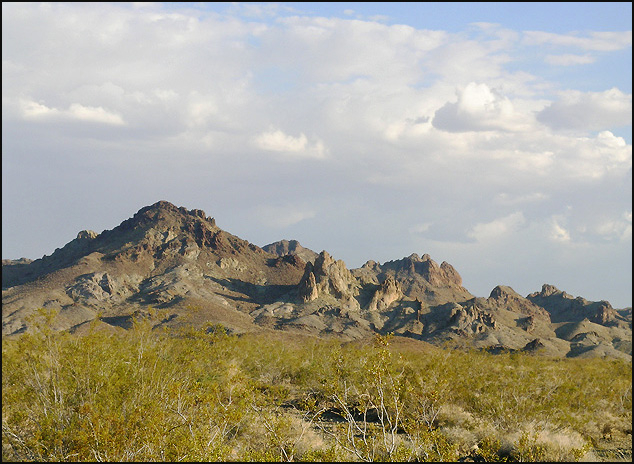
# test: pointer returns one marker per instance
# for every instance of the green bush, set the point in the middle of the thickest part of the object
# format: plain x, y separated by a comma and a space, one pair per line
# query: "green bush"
154, 394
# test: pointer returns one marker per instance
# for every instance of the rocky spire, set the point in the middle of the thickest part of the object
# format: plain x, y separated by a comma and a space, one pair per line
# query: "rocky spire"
327, 277
389, 291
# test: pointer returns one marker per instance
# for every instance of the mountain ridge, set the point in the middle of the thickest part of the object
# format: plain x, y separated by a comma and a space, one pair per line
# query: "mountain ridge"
179, 261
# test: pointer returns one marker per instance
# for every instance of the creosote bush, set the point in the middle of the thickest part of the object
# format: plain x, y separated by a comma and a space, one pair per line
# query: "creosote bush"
151, 394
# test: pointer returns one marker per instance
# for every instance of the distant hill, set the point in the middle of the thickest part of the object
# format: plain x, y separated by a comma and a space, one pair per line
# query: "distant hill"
180, 262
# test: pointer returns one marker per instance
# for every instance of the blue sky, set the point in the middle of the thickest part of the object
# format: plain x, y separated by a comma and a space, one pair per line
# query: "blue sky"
493, 136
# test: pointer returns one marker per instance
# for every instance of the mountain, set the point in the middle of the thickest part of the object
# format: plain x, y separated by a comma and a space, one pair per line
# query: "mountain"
290, 247
181, 263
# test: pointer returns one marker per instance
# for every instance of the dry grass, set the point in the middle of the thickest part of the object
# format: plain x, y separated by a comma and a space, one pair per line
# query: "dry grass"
148, 394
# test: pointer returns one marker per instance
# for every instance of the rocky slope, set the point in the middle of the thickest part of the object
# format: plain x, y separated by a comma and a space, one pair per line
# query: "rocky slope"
290, 247
180, 262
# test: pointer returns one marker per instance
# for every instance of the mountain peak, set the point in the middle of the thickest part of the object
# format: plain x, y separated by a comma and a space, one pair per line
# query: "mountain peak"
288, 247
178, 260
164, 211
86, 235
548, 290
504, 292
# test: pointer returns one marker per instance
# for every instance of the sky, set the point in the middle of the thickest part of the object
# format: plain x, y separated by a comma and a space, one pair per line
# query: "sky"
494, 136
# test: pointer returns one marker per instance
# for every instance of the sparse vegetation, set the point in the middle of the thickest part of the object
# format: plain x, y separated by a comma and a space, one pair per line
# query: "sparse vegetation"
205, 395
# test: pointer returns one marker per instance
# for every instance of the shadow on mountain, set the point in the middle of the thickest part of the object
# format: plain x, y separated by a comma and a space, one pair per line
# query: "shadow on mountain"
263, 293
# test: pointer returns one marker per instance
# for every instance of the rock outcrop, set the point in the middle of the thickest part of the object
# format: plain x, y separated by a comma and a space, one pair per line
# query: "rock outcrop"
180, 262
564, 307
389, 292
505, 297
471, 319
291, 247
328, 277
86, 235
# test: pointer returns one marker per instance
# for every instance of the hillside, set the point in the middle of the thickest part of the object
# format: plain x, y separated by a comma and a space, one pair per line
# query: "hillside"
180, 262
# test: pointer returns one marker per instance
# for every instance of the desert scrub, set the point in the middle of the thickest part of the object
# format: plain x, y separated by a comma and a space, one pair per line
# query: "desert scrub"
203, 394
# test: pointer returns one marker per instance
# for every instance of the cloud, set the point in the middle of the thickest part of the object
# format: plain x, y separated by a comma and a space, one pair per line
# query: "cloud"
504, 198
479, 108
569, 60
595, 158
615, 228
376, 139
98, 114
588, 110
595, 41
299, 147
558, 233
36, 111
420, 228
347, 49
281, 217
497, 228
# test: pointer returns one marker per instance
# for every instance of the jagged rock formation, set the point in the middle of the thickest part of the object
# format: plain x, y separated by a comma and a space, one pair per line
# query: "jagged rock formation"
503, 296
562, 306
290, 247
389, 292
164, 256
328, 277
180, 262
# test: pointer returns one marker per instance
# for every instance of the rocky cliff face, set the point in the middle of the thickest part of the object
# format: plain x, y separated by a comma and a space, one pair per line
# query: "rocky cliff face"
387, 293
564, 307
180, 262
289, 248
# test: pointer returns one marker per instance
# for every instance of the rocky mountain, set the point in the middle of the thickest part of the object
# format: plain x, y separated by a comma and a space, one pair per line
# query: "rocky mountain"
178, 261
290, 247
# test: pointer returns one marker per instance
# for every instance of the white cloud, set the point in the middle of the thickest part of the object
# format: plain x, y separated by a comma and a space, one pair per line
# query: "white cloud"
36, 111
588, 110
278, 141
497, 228
432, 137
594, 158
505, 198
98, 114
569, 59
597, 41
348, 48
558, 233
616, 228
480, 108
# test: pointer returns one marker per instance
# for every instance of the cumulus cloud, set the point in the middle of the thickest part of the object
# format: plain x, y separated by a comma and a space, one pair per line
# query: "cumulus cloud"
350, 48
498, 227
588, 110
594, 157
431, 136
98, 114
479, 108
559, 233
278, 141
36, 111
